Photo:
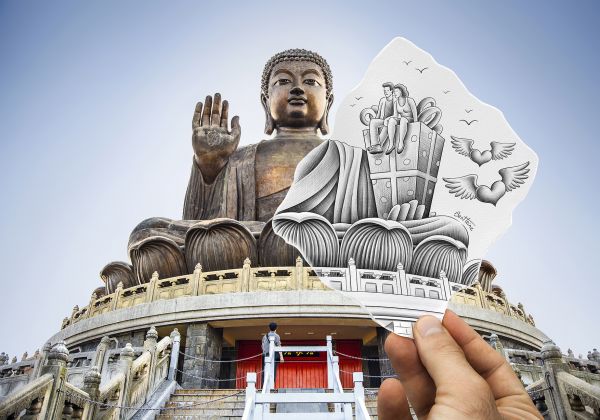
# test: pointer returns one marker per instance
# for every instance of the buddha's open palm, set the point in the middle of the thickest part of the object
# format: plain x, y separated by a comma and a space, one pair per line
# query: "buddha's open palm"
212, 141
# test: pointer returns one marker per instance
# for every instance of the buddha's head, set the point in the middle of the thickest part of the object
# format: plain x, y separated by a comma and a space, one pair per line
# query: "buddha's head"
296, 93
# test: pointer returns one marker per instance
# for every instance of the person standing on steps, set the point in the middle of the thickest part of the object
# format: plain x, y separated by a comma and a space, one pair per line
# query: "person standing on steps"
265, 350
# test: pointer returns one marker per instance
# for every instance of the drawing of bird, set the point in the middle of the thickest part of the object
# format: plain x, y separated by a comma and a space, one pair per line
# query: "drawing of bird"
468, 110
407, 62
421, 70
358, 98
498, 150
446, 92
468, 122
352, 104
465, 187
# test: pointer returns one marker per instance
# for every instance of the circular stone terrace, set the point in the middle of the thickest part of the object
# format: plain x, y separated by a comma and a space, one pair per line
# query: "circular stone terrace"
235, 301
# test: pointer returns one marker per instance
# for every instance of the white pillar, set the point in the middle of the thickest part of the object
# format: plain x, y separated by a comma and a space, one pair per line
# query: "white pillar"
175, 341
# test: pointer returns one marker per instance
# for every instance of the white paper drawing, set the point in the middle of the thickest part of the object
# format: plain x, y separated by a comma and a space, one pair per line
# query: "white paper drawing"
389, 211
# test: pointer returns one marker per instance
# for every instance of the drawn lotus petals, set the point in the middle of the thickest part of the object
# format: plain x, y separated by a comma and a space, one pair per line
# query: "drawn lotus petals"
311, 234
480, 158
471, 272
486, 194
156, 253
219, 244
377, 244
440, 253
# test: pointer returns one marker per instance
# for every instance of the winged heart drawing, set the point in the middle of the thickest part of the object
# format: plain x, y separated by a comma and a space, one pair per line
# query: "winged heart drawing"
498, 150
466, 186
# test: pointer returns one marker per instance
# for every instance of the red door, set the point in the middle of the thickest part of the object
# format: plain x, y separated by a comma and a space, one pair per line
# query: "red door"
300, 370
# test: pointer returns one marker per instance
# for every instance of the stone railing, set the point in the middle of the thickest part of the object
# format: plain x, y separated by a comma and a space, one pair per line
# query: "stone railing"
245, 279
583, 397
562, 390
298, 277
134, 381
476, 296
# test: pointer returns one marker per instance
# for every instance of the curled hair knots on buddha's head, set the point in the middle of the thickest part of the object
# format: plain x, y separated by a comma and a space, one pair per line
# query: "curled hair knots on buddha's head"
296, 54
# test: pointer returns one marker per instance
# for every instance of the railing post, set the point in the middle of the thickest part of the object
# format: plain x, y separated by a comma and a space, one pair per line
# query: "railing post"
329, 363
41, 361
91, 385
150, 346
175, 341
359, 395
272, 359
117, 296
445, 285
401, 284
353, 273
124, 365
246, 278
250, 396
298, 274
197, 280
57, 366
100, 355
151, 287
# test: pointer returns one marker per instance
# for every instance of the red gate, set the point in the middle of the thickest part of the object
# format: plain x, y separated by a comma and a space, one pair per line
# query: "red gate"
300, 370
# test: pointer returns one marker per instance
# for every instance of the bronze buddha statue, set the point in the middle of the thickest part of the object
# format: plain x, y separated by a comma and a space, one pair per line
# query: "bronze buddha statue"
248, 183
234, 192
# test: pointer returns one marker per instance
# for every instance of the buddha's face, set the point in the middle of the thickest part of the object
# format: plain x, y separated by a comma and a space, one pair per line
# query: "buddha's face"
297, 96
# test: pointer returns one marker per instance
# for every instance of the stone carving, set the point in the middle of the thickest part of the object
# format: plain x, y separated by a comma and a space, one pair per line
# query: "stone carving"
267, 242
114, 273
160, 252
219, 244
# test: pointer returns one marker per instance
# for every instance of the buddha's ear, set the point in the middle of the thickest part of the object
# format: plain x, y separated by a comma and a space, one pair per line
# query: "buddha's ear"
269, 123
323, 125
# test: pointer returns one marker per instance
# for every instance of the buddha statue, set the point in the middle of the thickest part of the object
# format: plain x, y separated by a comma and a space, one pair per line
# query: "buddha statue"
248, 183
233, 192
237, 204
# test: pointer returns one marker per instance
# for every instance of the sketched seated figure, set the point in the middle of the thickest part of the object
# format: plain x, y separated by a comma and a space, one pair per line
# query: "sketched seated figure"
396, 126
385, 110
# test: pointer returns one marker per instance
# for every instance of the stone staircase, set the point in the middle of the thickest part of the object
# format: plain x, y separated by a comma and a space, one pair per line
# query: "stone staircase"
231, 408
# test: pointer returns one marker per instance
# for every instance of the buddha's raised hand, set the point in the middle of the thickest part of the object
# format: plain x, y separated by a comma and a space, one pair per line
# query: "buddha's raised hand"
212, 141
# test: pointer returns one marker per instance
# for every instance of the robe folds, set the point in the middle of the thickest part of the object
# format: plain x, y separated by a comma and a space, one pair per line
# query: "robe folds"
231, 195
332, 181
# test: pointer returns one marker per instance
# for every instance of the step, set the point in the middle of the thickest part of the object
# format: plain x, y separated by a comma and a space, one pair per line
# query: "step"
231, 408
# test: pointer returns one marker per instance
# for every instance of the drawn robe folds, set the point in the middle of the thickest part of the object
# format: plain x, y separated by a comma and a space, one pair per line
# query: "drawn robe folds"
332, 181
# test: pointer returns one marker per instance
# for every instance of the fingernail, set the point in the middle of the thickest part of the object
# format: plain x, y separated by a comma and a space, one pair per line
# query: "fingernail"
429, 325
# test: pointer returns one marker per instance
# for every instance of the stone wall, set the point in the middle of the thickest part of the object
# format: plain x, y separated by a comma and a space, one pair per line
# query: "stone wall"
203, 344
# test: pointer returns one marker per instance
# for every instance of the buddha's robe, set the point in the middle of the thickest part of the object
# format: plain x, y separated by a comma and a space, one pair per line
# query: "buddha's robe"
232, 194
332, 181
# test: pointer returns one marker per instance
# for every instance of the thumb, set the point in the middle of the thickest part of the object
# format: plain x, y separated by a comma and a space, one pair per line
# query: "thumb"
445, 361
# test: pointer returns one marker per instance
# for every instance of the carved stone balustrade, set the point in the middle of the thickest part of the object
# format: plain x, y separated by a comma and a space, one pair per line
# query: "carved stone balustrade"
298, 277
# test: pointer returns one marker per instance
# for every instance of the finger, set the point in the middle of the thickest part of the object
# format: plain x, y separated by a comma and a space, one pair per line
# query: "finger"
216, 110
391, 401
224, 114
197, 116
235, 126
206, 113
486, 361
418, 385
446, 363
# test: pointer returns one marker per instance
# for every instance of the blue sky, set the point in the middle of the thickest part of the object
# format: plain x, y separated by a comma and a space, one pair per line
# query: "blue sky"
96, 100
